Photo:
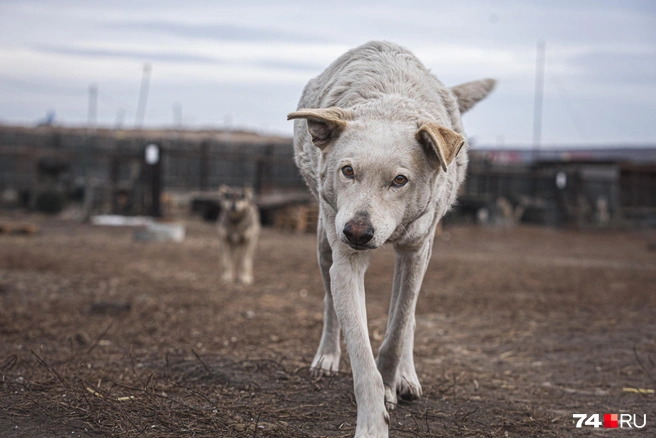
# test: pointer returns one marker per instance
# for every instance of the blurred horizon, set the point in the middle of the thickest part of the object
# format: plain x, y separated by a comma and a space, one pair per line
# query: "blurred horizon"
225, 66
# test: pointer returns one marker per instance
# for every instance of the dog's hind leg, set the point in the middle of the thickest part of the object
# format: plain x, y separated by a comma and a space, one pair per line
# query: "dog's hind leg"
326, 361
407, 383
395, 358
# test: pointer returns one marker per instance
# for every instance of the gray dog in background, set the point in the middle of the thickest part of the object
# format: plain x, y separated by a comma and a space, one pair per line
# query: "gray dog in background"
380, 144
239, 229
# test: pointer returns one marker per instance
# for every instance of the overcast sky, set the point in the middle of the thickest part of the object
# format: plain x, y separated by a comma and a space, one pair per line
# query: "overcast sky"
244, 64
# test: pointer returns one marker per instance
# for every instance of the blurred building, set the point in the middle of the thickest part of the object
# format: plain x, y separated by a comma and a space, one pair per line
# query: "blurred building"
111, 164
561, 187
43, 168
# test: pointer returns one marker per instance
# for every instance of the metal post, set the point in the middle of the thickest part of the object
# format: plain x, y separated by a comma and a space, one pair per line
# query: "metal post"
264, 170
87, 151
93, 106
204, 165
113, 178
537, 107
177, 115
143, 96
120, 117
153, 162
156, 189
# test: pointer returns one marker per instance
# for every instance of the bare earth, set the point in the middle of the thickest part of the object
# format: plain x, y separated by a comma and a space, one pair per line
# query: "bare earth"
517, 330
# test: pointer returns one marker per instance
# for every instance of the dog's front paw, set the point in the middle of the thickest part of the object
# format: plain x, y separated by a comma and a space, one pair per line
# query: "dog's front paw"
246, 279
227, 277
407, 384
325, 364
375, 427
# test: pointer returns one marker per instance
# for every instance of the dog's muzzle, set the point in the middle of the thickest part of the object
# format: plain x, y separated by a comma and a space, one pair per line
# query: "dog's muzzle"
358, 233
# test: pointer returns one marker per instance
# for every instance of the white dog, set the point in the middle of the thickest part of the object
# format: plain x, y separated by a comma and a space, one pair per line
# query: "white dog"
380, 143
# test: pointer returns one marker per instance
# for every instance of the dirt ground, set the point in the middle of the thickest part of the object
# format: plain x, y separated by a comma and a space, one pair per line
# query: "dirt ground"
517, 330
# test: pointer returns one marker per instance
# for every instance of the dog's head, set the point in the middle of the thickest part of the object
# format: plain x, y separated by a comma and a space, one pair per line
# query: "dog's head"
379, 165
235, 200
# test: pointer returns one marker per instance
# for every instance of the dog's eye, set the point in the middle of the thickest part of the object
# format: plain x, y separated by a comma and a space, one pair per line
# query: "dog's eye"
347, 171
399, 181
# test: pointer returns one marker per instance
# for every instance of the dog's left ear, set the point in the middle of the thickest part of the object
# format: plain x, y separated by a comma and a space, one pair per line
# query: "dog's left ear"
248, 191
324, 124
444, 142
470, 93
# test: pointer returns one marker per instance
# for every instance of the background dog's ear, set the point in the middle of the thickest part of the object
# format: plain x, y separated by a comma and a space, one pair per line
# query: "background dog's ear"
444, 142
248, 191
324, 124
470, 93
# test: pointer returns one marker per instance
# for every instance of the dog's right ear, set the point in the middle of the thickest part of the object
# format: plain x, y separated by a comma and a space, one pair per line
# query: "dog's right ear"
248, 191
223, 189
324, 124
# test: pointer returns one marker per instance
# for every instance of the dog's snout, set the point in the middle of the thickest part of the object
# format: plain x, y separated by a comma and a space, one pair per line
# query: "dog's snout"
358, 232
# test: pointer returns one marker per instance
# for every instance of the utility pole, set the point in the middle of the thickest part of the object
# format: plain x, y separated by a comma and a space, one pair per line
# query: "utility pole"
87, 205
537, 107
177, 115
120, 117
143, 96
93, 107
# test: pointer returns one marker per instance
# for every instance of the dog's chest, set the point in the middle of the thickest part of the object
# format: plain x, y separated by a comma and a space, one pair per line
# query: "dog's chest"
237, 230
236, 238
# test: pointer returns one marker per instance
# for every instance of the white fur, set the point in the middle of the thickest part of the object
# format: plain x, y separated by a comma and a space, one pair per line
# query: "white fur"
379, 95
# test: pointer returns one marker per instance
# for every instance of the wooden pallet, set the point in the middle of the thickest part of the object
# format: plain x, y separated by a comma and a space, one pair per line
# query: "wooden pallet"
18, 228
299, 218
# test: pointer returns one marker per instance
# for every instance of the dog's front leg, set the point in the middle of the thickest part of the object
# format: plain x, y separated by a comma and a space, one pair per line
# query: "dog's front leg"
227, 264
326, 360
347, 284
247, 253
395, 360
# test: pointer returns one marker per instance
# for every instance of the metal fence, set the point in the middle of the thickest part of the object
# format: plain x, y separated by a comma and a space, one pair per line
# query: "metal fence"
187, 164
557, 193
112, 164
113, 161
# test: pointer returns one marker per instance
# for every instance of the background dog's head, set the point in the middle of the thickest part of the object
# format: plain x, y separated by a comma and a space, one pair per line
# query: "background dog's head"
235, 200
379, 162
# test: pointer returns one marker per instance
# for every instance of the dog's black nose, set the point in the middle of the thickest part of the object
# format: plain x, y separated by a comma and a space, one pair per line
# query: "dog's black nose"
358, 232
